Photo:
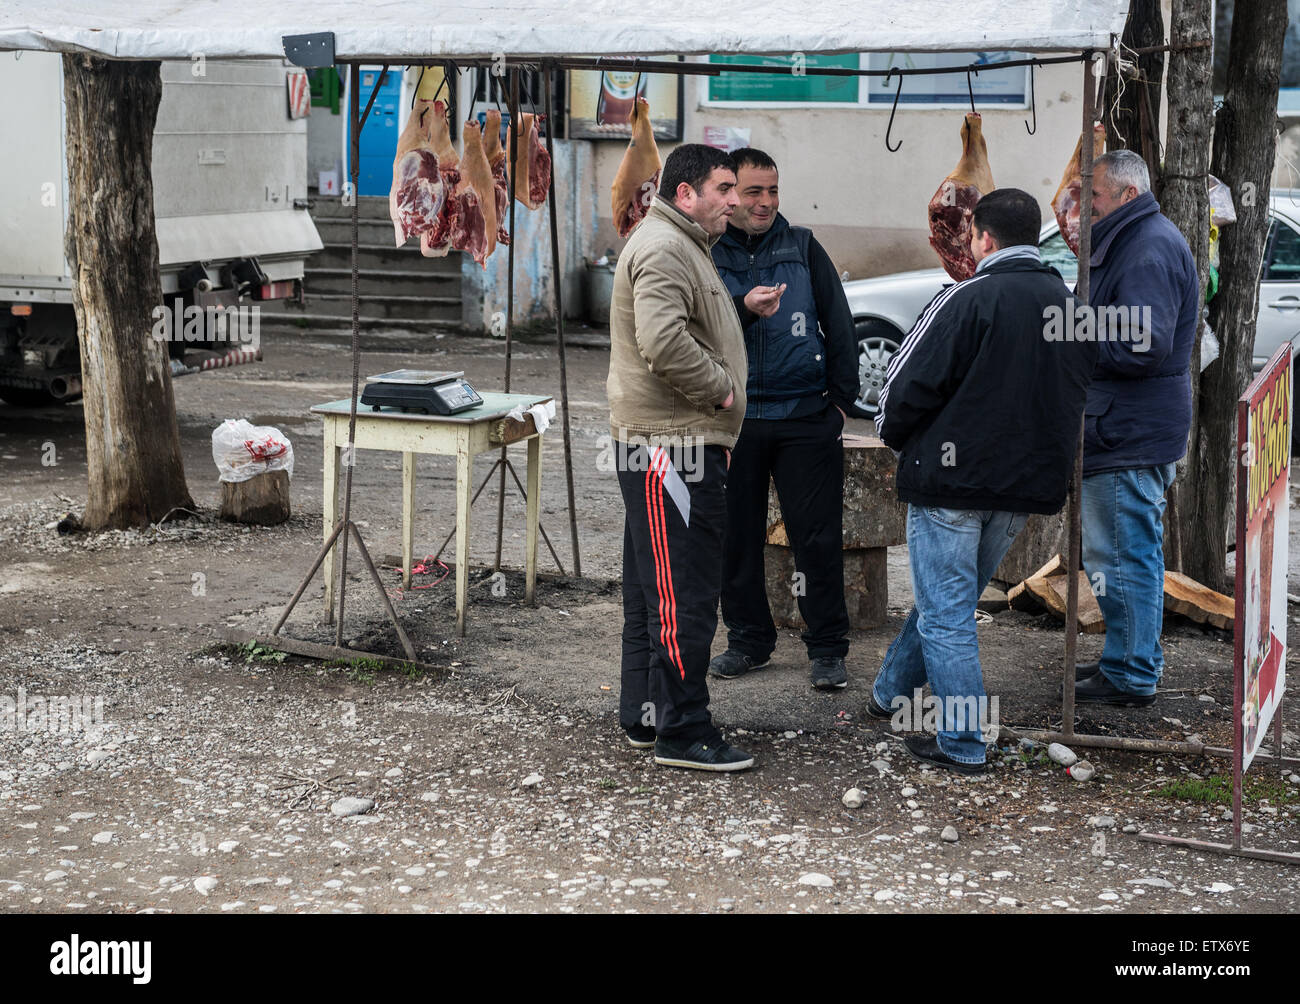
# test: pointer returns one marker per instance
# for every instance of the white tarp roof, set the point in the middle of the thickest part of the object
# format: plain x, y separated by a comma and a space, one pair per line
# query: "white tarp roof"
391, 30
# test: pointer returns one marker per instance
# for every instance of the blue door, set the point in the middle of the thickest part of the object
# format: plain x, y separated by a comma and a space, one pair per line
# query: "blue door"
379, 136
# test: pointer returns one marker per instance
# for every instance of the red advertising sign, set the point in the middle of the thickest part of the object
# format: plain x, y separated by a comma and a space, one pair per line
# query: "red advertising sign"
1264, 449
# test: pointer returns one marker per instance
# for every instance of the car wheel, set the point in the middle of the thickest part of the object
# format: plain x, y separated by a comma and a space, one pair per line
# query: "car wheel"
877, 342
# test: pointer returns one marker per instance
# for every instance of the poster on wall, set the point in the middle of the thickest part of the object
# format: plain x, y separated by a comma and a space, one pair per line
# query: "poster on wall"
1264, 446
600, 103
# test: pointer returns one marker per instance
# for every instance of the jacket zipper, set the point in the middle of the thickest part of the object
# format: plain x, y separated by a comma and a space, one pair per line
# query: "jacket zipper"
762, 338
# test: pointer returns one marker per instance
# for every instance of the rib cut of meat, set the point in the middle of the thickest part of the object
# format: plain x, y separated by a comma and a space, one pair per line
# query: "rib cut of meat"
638, 176
532, 164
496, 158
1067, 200
476, 232
418, 193
953, 204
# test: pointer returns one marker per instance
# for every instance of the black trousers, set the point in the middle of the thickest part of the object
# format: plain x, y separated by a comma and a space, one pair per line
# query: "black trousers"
672, 573
805, 458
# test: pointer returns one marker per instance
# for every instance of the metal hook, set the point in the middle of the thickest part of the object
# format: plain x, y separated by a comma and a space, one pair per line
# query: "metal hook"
1033, 104
890, 128
971, 87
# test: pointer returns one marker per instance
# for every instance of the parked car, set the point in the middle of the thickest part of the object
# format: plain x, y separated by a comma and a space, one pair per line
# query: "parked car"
886, 307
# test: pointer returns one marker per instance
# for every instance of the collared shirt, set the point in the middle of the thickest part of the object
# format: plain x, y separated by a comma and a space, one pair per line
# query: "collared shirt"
1015, 251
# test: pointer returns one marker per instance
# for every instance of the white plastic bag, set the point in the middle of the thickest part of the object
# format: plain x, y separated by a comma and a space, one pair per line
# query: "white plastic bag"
242, 450
1222, 211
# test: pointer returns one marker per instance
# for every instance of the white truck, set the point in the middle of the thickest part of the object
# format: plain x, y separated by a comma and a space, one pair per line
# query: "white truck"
230, 206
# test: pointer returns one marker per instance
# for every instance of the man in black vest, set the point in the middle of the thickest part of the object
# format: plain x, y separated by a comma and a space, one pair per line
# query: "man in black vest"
802, 377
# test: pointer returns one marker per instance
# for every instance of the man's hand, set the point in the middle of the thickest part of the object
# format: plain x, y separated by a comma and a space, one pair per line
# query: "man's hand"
764, 300
731, 397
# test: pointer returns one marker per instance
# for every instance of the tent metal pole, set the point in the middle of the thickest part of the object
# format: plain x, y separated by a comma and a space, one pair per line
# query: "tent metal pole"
1074, 516
558, 283
511, 182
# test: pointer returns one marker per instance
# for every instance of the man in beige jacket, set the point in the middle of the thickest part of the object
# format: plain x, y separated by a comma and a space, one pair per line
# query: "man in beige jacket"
676, 398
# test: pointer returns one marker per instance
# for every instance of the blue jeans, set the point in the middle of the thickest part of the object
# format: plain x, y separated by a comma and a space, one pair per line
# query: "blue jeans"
952, 554
1123, 553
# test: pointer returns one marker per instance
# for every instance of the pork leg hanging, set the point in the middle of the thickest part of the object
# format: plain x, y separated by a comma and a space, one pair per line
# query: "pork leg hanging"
532, 164
1068, 198
953, 204
496, 158
418, 193
638, 176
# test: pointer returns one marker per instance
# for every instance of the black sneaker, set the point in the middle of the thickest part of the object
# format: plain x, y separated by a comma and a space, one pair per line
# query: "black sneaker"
876, 711
926, 749
1096, 689
640, 737
701, 754
1083, 670
731, 664
828, 673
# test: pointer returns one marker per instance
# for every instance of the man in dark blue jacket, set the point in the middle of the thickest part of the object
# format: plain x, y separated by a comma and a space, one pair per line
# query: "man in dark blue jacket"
1145, 306
982, 405
803, 376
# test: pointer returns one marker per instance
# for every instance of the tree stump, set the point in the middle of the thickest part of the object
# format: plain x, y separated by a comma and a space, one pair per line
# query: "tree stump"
263, 499
874, 520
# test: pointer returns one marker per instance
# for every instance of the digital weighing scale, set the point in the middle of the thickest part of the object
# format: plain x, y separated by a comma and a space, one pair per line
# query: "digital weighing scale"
434, 392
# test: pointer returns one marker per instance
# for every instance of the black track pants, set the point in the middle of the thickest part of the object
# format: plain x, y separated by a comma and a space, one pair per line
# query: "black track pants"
672, 573
805, 458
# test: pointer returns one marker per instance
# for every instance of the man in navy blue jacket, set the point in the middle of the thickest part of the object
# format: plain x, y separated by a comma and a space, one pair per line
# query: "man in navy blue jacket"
1145, 307
803, 376
982, 405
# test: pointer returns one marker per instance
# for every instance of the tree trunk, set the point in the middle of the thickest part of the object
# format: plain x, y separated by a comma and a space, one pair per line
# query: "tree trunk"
1245, 141
1132, 113
1185, 200
133, 455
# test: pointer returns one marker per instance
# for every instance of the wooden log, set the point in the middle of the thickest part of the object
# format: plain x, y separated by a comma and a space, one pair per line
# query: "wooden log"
1185, 596
1051, 592
1042, 537
866, 587
262, 499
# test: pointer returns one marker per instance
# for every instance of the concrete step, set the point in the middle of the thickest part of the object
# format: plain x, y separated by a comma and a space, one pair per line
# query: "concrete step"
384, 256
382, 282
381, 307
369, 207
340, 327
338, 230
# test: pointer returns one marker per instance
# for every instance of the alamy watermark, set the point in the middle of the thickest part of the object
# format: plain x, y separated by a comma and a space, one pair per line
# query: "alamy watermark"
1079, 322
60, 715
933, 714
633, 452
238, 324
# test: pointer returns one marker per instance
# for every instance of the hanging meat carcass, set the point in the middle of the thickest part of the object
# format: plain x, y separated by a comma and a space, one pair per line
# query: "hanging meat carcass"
953, 204
638, 176
532, 164
418, 193
476, 229
496, 158
1067, 200
436, 241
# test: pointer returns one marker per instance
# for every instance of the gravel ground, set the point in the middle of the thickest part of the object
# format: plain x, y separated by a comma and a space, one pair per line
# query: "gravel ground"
496, 780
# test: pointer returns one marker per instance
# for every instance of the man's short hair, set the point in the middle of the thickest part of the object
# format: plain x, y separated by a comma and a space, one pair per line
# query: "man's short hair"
748, 156
1010, 215
1124, 168
691, 163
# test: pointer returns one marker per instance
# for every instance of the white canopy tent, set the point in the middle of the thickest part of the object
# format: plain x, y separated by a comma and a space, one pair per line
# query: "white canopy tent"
548, 32
394, 30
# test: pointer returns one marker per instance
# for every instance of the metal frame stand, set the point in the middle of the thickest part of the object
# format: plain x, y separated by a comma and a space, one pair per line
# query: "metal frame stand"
345, 524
